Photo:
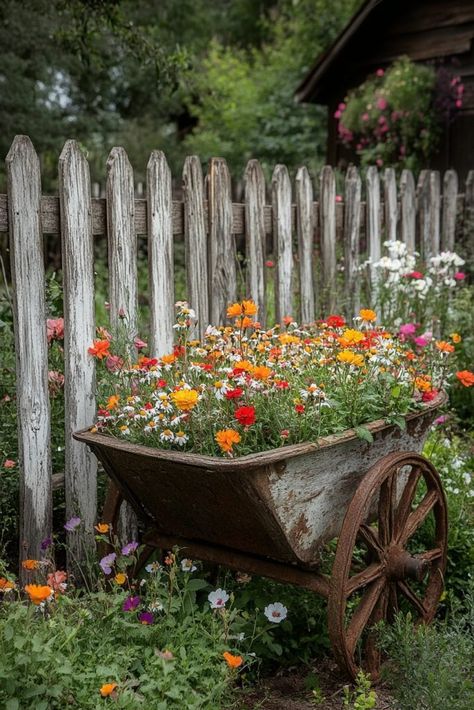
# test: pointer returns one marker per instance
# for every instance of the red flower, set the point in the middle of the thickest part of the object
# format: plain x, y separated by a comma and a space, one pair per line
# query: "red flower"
429, 396
234, 394
299, 408
245, 415
281, 384
416, 275
335, 321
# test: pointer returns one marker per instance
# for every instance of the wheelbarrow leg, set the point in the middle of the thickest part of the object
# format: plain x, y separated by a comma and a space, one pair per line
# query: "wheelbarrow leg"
395, 497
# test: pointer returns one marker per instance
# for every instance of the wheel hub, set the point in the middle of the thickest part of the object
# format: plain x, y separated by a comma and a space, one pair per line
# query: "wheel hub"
401, 565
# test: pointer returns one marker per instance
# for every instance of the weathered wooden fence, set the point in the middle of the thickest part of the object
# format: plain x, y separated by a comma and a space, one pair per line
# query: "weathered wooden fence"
306, 235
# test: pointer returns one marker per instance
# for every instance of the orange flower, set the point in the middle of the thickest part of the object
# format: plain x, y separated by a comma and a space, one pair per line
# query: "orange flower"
185, 400
244, 322
351, 337
249, 308
107, 689
30, 565
102, 528
100, 349
232, 661
465, 377
243, 365
423, 384
120, 578
350, 358
38, 593
234, 311
367, 315
444, 346
112, 402
226, 438
168, 359
455, 337
6, 585
261, 372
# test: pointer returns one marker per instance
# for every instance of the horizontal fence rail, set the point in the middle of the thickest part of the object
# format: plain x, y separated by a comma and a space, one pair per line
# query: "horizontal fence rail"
315, 237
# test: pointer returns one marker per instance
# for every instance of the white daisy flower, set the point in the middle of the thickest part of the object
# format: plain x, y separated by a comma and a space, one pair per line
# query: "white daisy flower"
187, 565
181, 438
166, 435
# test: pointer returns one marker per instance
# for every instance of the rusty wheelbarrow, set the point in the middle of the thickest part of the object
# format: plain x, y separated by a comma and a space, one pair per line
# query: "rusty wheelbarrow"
271, 514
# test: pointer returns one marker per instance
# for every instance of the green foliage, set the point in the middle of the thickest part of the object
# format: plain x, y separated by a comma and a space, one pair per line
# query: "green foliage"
431, 667
363, 696
461, 320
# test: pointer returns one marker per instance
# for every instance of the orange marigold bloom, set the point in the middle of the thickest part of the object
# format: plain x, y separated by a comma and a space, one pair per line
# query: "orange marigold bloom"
112, 402
30, 564
168, 359
38, 593
6, 585
261, 372
234, 311
226, 438
465, 377
185, 400
102, 528
444, 346
244, 322
232, 661
351, 337
120, 578
350, 358
100, 349
368, 315
455, 337
107, 689
249, 308
423, 384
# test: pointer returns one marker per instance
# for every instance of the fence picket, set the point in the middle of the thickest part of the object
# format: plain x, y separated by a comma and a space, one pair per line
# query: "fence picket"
423, 198
254, 181
305, 229
160, 253
450, 196
434, 208
351, 241
327, 228
282, 236
391, 212
195, 237
221, 244
31, 348
79, 331
373, 221
408, 210
123, 288
468, 220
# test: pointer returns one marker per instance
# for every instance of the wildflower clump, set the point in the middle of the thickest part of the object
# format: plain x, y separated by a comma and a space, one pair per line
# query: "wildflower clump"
245, 389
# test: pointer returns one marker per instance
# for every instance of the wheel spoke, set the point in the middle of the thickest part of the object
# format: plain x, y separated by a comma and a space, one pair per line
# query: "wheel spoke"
369, 536
385, 512
361, 579
417, 516
406, 500
413, 598
430, 555
363, 612
372, 650
392, 608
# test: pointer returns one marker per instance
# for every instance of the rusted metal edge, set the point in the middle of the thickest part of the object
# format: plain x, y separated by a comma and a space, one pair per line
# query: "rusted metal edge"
262, 458
315, 581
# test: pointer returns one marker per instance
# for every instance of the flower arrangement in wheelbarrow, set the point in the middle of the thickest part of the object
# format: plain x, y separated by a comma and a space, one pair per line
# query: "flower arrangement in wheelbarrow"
246, 389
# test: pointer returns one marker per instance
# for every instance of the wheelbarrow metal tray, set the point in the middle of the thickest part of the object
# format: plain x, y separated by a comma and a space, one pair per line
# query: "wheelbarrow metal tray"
282, 504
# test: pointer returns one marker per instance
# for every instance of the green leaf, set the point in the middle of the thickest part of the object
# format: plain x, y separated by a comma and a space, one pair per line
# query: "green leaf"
364, 433
12, 704
195, 584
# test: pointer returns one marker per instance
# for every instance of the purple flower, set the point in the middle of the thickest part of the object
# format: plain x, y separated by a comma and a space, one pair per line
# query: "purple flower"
106, 563
47, 542
129, 547
72, 524
146, 617
130, 603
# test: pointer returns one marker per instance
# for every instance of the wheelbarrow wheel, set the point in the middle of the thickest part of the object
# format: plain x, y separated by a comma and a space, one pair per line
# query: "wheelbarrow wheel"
391, 556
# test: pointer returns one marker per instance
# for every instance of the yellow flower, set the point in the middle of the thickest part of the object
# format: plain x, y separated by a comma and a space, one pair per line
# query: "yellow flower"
107, 689
367, 315
120, 578
351, 337
226, 438
185, 400
287, 339
455, 337
112, 402
350, 358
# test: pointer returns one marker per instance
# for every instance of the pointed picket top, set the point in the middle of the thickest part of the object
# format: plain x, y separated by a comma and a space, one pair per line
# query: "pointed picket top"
282, 240
407, 210
351, 241
160, 253
195, 240
255, 242
390, 200
327, 230
31, 350
122, 241
221, 245
305, 230
79, 331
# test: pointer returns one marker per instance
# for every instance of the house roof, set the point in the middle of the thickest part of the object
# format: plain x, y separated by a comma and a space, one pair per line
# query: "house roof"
382, 30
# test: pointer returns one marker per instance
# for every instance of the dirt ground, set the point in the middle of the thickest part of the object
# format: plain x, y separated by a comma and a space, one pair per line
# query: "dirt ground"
289, 691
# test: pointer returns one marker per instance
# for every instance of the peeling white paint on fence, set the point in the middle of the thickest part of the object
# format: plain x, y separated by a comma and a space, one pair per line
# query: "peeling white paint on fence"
282, 235
305, 228
255, 235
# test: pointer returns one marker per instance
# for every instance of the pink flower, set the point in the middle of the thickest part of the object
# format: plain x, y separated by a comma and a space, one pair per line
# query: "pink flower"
55, 329
408, 329
379, 162
57, 580
55, 382
458, 103
460, 276
365, 117
140, 344
421, 341
338, 198
113, 363
379, 72
441, 420
270, 263
9, 463
382, 104
342, 106
337, 114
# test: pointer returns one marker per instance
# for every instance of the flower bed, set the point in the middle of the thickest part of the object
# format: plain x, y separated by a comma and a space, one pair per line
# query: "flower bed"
245, 389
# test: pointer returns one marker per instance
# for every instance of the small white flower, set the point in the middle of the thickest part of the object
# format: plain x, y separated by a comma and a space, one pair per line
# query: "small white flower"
167, 435
155, 606
187, 565
180, 438
153, 567
218, 599
276, 612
